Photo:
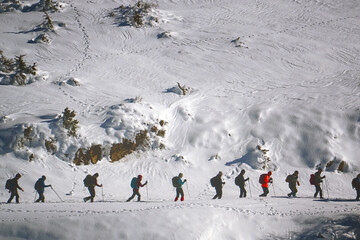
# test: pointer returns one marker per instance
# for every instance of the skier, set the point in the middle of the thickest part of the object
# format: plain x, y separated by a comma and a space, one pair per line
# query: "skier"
90, 183
178, 184
240, 181
317, 181
218, 184
40, 188
13, 186
136, 184
356, 185
293, 180
265, 179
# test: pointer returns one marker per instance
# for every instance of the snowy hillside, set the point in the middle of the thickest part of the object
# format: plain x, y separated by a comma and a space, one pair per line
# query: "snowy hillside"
194, 86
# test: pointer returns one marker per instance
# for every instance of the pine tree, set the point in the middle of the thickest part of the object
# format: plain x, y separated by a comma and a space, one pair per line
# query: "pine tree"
69, 122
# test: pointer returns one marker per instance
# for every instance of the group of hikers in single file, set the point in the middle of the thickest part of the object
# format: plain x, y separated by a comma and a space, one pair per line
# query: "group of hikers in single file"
265, 179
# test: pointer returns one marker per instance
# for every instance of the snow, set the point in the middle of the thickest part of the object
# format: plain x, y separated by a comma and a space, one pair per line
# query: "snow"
279, 75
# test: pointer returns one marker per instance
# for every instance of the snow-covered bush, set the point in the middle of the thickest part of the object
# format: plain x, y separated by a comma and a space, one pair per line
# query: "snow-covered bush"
238, 43
178, 89
265, 159
16, 71
69, 122
138, 15
10, 5
47, 24
42, 38
44, 5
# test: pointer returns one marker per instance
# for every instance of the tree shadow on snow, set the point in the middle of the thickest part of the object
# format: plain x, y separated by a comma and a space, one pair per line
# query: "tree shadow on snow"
250, 158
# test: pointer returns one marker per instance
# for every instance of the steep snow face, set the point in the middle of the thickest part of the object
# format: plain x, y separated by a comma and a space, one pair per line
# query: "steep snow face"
268, 86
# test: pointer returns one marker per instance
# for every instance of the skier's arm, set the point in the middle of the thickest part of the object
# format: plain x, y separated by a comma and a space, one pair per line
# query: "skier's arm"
17, 186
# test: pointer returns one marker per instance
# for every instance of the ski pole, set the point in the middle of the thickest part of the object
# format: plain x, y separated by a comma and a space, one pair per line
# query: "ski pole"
56, 194
327, 189
147, 192
35, 197
102, 193
273, 188
250, 189
187, 187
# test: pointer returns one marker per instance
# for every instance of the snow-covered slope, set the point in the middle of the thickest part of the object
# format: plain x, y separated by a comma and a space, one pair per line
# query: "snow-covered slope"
281, 76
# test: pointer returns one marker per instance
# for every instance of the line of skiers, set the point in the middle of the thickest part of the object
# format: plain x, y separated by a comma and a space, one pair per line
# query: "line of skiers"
90, 182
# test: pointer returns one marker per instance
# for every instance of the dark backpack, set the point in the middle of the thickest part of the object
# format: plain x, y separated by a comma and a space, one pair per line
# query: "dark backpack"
37, 185
288, 178
88, 181
175, 182
133, 182
213, 181
262, 178
312, 179
9, 184
355, 183
238, 180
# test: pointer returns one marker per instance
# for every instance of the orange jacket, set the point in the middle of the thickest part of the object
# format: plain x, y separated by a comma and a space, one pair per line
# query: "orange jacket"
266, 180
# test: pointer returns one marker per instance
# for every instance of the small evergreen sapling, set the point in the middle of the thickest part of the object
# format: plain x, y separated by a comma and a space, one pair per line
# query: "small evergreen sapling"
21, 71
47, 25
265, 159
69, 122
6, 64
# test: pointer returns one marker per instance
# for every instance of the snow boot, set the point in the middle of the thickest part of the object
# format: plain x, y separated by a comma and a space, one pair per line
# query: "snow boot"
176, 199
182, 198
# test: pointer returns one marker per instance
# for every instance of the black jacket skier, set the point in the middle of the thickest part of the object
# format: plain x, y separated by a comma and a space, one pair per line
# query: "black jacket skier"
293, 181
14, 187
240, 180
218, 184
91, 188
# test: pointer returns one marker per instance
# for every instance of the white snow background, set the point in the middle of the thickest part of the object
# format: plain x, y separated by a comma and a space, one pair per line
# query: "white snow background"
281, 74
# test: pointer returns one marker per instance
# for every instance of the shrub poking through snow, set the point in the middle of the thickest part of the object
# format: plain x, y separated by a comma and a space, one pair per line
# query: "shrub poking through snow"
47, 24
26, 138
265, 160
183, 89
91, 155
49, 5
138, 15
238, 43
120, 150
42, 38
16, 71
69, 122
50, 145
9, 6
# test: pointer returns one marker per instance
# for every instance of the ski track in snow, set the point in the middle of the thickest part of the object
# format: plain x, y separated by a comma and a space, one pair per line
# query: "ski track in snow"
224, 15
260, 207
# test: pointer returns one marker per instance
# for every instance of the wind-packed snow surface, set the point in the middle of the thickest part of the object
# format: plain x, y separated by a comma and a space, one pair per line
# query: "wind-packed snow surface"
281, 76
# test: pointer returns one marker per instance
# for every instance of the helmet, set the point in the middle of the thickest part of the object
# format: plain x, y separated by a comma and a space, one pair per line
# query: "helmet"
269, 173
140, 176
43, 177
18, 176
96, 175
